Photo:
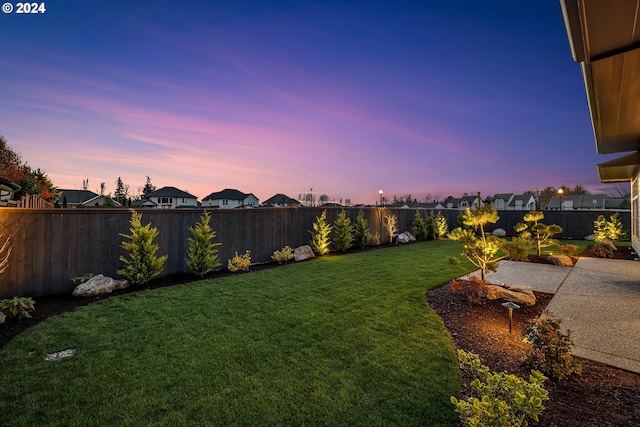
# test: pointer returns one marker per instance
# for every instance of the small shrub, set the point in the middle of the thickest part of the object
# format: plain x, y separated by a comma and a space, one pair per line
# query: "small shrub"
542, 234
550, 351
505, 399
568, 249
615, 230
517, 249
604, 249
473, 287
239, 263
320, 235
19, 307
375, 240
283, 255
79, 280
343, 232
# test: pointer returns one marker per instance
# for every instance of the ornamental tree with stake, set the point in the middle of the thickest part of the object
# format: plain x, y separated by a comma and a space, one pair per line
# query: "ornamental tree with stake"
482, 251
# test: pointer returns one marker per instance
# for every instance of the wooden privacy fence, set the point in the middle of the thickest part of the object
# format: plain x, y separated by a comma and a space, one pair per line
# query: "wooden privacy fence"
51, 246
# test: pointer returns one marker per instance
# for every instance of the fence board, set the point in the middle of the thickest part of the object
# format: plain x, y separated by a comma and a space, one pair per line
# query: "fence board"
53, 246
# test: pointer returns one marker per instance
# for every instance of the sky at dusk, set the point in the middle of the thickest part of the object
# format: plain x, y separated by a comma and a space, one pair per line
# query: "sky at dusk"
345, 97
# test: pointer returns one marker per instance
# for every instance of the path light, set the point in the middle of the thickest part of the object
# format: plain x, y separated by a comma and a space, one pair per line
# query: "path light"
510, 305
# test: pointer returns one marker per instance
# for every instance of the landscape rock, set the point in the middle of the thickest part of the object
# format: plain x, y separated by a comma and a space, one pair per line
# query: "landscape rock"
303, 252
562, 260
3, 317
499, 232
590, 237
521, 295
99, 285
402, 238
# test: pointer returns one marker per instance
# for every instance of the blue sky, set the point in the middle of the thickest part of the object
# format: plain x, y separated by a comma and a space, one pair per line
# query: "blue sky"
345, 97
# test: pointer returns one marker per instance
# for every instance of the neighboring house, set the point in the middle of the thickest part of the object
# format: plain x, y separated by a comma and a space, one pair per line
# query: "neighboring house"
281, 201
169, 198
580, 201
608, 56
230, 198
429, 206
523, 202
462, 203
86, 198
501, 201
7, 192
451, 203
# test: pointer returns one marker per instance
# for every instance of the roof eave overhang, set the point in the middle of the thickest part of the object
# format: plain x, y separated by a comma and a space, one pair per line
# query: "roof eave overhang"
621, 169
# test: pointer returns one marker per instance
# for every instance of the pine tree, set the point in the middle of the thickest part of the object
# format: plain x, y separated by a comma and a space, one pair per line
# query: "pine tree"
362, 235
541, 233
202, 252
600, 228
148, 187
320, 235
343, 232
419, 227
142, 264
615, 229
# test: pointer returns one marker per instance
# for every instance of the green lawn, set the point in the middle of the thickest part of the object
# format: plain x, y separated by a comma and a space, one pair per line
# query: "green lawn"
341, 340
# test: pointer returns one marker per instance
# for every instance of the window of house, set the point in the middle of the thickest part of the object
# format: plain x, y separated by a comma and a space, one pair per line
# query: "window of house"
225, 202
166, 200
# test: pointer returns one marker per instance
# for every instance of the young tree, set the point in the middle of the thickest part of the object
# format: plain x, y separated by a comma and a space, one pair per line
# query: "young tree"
122, 190
343, 232
541, 233
361, 232
5, 253
483, 251
390, 224
202, 252
419, 227
10, 162
142, 264
615, 228
441, 226
320, 235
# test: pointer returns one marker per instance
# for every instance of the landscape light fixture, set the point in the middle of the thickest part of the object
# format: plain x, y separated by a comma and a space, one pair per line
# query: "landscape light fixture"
560, 191
380, 192
510, 305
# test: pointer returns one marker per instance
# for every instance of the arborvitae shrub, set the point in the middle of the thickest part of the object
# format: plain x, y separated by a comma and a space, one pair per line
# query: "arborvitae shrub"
320, 240
342, 232
441, 226
419, 227
142, 264
361, 233
202, 252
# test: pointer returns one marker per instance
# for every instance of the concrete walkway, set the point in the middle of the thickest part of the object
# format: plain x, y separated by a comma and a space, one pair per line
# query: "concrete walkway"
597, 299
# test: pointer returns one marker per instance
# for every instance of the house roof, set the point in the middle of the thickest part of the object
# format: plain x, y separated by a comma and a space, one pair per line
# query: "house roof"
9, 185
281, 199
170, 192
504, 196
228, 194
75, 197
605, 39
521, 197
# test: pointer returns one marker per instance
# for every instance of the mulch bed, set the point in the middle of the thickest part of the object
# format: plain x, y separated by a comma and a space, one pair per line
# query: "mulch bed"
601, 396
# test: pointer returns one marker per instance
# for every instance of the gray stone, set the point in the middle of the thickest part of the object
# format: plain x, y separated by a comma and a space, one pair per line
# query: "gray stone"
303, 252
561, 260
410, 236
99, 285
402, 238
518, 294
590, 237
499, 232
3, 317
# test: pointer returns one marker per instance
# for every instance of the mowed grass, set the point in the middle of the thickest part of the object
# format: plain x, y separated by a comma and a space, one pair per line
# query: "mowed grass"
342, 340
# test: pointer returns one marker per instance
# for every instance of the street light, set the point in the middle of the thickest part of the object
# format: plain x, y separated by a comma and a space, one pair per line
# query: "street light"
560, 191
380, 192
